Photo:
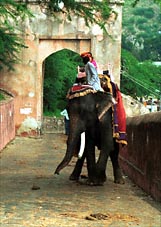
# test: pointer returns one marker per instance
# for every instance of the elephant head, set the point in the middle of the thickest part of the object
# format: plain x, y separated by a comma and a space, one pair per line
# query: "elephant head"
85, 113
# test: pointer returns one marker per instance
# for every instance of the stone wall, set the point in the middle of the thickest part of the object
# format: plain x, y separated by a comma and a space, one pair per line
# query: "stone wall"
7, 126
133, 107
141, 159
53, 125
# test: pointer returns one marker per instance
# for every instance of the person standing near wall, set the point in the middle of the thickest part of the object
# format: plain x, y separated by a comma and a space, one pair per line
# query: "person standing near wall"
66, 121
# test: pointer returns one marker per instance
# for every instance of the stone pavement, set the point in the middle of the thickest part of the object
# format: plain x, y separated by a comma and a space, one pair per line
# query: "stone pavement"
31, 196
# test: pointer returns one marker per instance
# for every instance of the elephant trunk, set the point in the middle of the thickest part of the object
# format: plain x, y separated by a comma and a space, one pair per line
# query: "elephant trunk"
64, 163
69, 153
72, 142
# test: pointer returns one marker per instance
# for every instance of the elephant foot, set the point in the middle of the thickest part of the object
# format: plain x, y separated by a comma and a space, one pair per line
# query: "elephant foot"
101, 177
84, 177
94, 183
119, 181
118, 178
74, 178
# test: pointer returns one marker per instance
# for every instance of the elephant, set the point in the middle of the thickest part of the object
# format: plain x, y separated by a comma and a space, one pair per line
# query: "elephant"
90, 112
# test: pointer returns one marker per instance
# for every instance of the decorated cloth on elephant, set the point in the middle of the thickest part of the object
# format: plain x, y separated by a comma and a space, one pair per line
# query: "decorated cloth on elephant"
119, 115
119, 119
78, 90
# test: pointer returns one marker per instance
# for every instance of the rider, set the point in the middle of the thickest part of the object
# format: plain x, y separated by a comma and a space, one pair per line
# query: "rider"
81, 76
92, 60
91, 72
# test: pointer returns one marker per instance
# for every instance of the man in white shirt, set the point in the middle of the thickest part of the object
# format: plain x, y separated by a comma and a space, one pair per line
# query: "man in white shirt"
66, 121
91, 73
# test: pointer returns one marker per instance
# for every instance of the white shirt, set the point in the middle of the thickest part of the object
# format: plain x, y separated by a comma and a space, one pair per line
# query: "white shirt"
65, 114
92, 76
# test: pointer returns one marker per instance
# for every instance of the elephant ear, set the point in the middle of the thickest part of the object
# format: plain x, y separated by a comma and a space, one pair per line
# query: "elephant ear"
103, 103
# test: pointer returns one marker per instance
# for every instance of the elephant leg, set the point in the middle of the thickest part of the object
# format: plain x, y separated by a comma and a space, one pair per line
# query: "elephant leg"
77, 169
101, 167
91, 162
118, 179
106, 148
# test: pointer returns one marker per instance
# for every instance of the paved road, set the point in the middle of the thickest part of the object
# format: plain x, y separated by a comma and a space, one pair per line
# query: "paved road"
31, 196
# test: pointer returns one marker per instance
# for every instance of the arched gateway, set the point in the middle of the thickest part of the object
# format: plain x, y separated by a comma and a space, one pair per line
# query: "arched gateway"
45, 35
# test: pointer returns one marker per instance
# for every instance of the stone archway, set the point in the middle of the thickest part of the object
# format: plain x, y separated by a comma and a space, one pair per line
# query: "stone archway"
45, 35
50, 46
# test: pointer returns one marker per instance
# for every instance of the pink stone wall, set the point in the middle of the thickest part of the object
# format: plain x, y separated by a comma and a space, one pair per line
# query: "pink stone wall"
7, 124
141, 159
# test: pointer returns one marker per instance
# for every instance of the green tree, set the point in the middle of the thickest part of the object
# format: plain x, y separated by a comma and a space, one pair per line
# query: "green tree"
142, 31
60, 74
93, 11
139, 79
135, 2
11, 40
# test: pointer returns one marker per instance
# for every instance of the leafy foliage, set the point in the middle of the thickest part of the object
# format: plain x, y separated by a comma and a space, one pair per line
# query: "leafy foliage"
135, 2
139, 79
1, 97
60, 74
147, 12
10, 42
93, 11
142, 30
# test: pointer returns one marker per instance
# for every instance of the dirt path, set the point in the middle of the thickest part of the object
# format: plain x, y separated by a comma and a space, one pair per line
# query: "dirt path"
28, 164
